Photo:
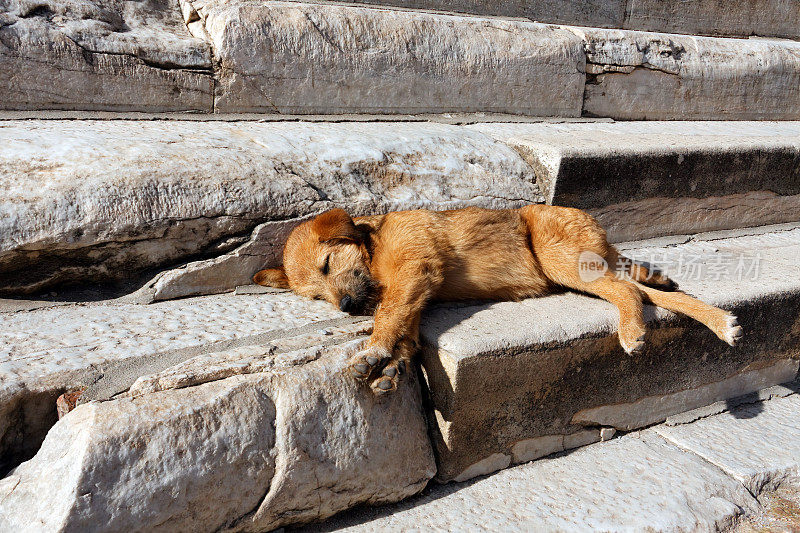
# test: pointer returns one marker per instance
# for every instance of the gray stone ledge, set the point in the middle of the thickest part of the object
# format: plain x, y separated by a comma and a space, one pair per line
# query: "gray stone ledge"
501, 374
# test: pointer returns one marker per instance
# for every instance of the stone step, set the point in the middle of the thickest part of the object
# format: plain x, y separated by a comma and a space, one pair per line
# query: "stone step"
226, 412
91, 201
702, 476
767, 18
302, 57
253, 383
514, 381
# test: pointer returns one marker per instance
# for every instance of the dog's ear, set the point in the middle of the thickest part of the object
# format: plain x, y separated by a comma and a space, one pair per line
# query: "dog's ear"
336, 225
272, 277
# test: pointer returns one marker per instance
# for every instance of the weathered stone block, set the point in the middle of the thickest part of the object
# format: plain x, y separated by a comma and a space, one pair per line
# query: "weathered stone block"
292, 57
643, 180
507, 379
635, 75
121, 56
247, 453
105, 200
768, 18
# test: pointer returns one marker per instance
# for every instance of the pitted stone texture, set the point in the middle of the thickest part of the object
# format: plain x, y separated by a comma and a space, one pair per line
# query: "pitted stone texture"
657, 76
504, 373
100, 200
250, 359
634, 482
680, 177
294, 57
110, 55
47, 351
248, 453
757, 444
602, 13
768, 18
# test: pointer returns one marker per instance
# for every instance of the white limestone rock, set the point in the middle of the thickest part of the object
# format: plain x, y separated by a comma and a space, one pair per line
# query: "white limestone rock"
248, 453
656, 76
103, 200
757, 444
294, 57
111, 55
626, 484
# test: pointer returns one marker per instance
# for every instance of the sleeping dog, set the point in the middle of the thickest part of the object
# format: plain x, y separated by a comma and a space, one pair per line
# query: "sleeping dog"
392, 265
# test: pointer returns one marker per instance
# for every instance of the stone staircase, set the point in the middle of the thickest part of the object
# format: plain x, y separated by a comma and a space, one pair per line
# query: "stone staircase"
154, 155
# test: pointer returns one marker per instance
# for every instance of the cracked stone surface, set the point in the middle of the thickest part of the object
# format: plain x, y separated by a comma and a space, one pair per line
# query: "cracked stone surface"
757, 444
46, 351
293, 57
680, 177
688, 478
502, 375
769, 18
103, 200
246, 453
111, 55
638, 480
653, 76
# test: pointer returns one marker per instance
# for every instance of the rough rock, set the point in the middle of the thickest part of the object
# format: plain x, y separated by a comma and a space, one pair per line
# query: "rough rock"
105, 200
111, 55
626, 484
602, 13
767, 18
247, 453
758, 444
502, 374
294, 57
83, 343
635, 75
679, 177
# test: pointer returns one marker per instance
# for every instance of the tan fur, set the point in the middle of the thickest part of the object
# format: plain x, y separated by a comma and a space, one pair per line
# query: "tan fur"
404, 260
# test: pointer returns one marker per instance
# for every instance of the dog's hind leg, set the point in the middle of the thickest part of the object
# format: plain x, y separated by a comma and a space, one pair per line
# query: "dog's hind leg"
722, 323
628, 299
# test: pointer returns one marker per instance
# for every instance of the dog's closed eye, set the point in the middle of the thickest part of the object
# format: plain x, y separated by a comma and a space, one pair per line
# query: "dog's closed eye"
326, 267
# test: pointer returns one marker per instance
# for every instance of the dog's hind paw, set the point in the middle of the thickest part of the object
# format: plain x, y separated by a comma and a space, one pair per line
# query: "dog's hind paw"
364, 362
390, 377
732, 331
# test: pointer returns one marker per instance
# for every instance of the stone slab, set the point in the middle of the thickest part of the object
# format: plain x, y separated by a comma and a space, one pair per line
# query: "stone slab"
294, 57
769, 18
503, 373
635, 75
248, 453
626, 484
46, 351
92, 201
679, 177
110, 55
758, 444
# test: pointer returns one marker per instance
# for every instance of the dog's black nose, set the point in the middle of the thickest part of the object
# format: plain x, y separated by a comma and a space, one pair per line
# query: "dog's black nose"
346, 303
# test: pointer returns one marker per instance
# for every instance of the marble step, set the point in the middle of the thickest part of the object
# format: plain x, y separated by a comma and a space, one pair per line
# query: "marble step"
93, 202
331, 58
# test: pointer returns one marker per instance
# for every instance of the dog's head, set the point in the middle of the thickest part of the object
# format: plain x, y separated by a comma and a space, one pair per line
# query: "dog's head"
326, 258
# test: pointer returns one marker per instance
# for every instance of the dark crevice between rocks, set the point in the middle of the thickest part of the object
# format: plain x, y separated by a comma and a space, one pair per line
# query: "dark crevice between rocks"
26, 419
109, 278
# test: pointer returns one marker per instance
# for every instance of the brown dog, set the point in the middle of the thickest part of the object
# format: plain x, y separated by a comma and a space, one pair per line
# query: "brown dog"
397, 263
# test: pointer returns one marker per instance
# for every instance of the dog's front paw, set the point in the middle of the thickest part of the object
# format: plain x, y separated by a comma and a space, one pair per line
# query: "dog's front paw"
390, 376
365, 361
